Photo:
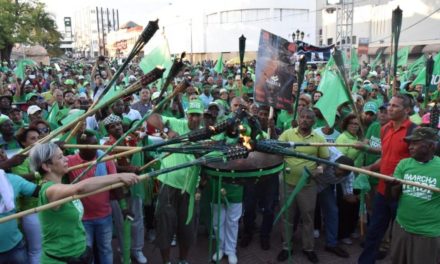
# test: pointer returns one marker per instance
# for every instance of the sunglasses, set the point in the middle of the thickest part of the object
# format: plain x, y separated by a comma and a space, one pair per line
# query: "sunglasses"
43, 130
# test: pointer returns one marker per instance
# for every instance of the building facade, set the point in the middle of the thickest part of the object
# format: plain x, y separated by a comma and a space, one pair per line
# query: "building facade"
91, 26
372, 24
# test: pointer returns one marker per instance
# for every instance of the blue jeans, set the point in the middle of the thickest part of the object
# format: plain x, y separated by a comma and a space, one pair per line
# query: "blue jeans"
329, 207
33, 236
17, 255
101, 231
384, 211
265, 194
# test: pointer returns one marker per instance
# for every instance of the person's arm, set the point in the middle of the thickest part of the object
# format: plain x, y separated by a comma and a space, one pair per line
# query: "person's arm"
109, 72
60, 191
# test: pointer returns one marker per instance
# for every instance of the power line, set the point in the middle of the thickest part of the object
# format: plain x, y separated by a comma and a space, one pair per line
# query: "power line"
410, 26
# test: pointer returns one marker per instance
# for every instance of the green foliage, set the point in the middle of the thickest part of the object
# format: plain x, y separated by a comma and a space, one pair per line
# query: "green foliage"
27, 22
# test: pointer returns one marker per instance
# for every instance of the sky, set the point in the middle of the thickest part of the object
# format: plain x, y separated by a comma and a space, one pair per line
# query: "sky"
139, 11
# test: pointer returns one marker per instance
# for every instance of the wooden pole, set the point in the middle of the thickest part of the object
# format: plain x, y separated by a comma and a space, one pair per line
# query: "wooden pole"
111, 157
151, 162
86, 146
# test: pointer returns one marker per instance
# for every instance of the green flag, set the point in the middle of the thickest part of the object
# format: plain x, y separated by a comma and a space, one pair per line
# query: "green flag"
415, 68
21, 67
301, 183
354, 61
402, 56
421, 77
219, 65
114, 90
72, 116
376, 60
52, 117
159, 56
334, 94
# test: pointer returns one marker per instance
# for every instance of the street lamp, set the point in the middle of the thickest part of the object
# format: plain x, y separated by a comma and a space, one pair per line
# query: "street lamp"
299, 35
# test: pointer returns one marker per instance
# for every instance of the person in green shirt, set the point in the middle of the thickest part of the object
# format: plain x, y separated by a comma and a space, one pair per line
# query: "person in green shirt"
176, 199
306, 199
416, 231
64, 238
7, 139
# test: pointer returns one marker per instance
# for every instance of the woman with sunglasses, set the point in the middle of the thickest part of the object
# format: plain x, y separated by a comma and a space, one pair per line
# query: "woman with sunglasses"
42, 127
64, 237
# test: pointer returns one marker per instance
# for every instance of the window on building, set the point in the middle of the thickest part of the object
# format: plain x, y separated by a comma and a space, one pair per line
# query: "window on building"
329, 41
353, 40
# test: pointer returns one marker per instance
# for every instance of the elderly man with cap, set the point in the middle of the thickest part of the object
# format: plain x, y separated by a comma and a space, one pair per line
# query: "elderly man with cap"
113, 125
176, 200
34, 113
416, 232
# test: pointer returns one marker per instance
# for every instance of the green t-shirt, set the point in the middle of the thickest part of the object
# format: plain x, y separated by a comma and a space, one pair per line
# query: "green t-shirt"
63, 231
373, 136
419, 209
347, 138
183, 179
25, 203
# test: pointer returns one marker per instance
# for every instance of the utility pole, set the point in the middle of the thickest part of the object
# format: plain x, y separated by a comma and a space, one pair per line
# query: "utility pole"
344, 26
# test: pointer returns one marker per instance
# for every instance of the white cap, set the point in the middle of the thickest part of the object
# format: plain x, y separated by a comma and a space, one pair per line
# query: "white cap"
132, 78
80, 77
33, 109
155, 95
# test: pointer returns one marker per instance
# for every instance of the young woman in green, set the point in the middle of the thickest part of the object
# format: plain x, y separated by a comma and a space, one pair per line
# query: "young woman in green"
64, 238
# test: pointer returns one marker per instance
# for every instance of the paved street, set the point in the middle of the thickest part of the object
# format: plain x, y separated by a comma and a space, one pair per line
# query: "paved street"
254, 255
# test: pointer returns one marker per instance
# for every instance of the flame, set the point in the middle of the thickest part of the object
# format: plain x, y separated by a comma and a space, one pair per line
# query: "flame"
246, 141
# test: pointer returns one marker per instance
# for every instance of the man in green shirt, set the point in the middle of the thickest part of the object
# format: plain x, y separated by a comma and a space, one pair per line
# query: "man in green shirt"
306, 199
176, 196
416, 232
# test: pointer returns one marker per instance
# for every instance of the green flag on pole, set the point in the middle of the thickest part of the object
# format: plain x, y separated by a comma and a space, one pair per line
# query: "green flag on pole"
219, 65
301, 183
421, 77
376, 60
21, 67
159, 56
354, 61
402, 56
334, 94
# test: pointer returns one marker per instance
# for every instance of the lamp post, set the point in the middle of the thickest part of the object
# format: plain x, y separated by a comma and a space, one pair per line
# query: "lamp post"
298, 36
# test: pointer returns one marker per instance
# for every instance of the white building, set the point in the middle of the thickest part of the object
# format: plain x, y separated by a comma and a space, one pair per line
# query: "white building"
372, 20
215, 26
91, 26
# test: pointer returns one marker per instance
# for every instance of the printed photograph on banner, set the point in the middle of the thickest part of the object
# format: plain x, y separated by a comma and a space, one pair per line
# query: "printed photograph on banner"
275, 71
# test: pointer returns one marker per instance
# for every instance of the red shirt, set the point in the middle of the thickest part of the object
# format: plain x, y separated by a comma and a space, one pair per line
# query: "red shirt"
394, 149
129, 141
98, 205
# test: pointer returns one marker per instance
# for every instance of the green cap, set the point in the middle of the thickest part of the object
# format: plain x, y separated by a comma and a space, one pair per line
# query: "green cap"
3, 119
30, 95
367, 87
69, 82
423, 133
195, 107
370, 107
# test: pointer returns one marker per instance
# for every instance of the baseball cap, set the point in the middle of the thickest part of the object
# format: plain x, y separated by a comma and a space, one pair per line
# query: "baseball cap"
422, 133
30, 95
33, 109
195, 107
370, 107
223, 90
69, 82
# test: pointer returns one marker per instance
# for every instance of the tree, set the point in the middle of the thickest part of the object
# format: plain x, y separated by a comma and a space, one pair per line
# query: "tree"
26, 22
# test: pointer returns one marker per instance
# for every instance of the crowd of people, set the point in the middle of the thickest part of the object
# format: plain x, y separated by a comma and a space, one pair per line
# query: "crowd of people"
390, 132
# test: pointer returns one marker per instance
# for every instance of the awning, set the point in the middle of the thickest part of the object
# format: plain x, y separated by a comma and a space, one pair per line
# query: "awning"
431, 48
416, 49
373, 51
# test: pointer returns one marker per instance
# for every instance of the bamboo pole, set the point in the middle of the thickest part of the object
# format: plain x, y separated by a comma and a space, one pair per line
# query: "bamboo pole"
87, 146
151, 162
107, 158
146, 79
233, 153
268, 148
